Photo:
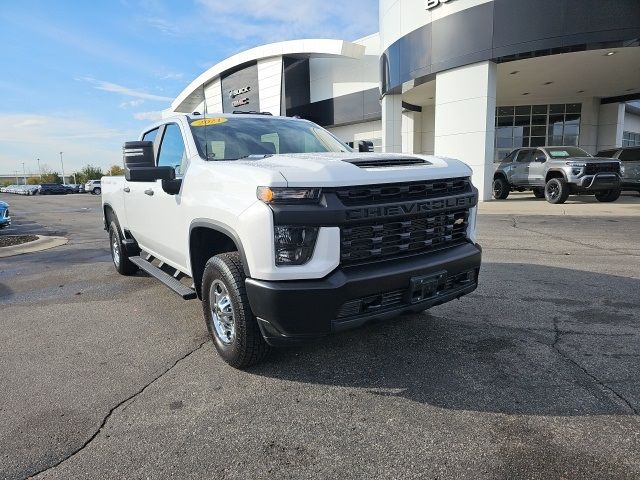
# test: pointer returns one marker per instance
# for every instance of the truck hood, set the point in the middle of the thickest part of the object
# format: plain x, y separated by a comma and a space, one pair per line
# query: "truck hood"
339, 169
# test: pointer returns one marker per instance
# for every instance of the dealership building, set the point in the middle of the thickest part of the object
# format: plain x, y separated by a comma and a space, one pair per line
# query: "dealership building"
470, 79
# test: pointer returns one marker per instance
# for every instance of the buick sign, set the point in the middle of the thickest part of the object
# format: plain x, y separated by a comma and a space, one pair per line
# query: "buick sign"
429, 4
239, 91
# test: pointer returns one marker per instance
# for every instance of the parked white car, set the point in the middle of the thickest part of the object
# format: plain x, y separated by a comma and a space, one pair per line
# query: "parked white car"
93, 186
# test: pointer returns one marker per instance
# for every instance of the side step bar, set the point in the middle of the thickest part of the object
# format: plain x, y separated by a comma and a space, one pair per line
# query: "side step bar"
172, 282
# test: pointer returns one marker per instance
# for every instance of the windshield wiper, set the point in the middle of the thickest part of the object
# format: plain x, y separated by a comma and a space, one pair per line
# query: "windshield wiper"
254, 155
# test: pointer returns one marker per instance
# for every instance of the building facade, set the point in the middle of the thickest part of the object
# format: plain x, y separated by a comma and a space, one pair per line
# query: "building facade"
470, 79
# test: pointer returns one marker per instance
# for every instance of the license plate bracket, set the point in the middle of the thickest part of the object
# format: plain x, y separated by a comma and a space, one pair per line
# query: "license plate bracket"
425, 286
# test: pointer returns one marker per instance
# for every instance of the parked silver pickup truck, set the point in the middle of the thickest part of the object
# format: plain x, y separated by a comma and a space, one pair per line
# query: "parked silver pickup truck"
557, 172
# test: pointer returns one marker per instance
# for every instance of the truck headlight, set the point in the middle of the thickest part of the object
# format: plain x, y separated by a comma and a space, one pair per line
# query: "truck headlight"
288, 195
621, 169
294, 245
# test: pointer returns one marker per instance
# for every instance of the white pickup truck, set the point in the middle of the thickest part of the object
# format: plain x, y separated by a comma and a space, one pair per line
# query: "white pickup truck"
284, 232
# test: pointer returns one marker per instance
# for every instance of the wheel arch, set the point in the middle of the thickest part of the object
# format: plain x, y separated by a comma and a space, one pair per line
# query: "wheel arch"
499, 174
108, 213
554, 174
206, 239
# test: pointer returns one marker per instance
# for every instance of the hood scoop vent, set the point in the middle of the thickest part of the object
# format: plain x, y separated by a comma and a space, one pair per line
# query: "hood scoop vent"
383, 162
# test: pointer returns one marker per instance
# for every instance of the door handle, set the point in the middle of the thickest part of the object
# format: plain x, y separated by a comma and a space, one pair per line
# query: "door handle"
149, 192
126, 189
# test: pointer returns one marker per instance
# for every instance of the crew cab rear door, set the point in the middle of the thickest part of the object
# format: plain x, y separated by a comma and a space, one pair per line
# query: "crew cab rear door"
521, 167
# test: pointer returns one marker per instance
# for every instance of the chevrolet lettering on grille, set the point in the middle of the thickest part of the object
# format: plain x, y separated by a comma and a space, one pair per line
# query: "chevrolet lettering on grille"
411, 208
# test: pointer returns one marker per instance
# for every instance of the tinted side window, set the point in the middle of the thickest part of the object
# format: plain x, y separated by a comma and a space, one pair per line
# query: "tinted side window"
172, 152
630, 155
523, 156
150, 136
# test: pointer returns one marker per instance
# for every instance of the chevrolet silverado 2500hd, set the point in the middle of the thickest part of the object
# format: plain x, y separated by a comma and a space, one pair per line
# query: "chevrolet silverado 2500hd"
284, 233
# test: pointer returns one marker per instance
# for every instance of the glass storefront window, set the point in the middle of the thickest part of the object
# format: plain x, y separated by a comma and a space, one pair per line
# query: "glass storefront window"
539, 125
630, 139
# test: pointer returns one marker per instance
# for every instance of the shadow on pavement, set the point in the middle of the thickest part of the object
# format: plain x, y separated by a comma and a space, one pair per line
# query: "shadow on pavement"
568, 347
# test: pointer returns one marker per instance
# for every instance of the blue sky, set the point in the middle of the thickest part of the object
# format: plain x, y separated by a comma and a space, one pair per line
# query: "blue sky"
83, 77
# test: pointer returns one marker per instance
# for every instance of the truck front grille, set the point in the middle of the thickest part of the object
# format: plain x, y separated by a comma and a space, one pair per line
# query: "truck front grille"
593, 168
378, 240
397, 192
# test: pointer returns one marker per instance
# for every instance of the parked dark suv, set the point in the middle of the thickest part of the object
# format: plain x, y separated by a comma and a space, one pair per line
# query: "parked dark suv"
557, 172
630, 159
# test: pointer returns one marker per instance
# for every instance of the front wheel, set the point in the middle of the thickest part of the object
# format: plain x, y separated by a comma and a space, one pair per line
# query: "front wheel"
608, 195
230, 321
500, 188
121, 261
556, 191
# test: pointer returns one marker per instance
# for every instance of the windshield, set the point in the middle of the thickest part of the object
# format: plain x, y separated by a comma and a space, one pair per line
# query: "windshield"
232, 138
564, 152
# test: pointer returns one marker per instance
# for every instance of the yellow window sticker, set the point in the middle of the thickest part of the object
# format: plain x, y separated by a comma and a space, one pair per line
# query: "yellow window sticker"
208, 121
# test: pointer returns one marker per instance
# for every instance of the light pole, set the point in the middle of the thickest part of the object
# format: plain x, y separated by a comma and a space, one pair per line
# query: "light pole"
62, 166
24, 174
39, 171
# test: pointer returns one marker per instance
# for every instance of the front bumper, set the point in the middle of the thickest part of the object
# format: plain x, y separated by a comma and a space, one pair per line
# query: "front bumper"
298, 310
600, 181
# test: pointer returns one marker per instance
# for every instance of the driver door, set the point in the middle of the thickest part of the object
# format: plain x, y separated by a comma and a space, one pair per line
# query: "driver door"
521, 167
537, 168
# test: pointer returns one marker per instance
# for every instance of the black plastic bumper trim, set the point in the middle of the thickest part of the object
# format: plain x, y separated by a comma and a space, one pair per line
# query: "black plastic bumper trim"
297, 310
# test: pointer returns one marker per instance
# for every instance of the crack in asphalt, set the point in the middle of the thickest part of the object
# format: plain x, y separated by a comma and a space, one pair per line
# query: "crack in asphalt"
556, 339
113, 410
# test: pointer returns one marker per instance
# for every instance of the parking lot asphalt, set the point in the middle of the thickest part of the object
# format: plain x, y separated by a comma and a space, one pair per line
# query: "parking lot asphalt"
534, 375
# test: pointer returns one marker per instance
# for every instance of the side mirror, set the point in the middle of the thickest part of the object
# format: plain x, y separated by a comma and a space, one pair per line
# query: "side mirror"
365, 146
138, 154
149, 174
140, 163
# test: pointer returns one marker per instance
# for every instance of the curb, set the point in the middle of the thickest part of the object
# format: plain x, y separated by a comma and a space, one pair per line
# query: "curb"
42, 243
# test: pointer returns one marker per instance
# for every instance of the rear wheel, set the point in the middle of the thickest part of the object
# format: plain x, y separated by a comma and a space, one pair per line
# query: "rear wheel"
538, 192
118, 253
608, 195
231, 324
556, 191
97, 191
500, 188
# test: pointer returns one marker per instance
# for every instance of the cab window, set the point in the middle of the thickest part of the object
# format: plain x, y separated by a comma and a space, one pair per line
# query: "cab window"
524, 156
150, 136
172, 152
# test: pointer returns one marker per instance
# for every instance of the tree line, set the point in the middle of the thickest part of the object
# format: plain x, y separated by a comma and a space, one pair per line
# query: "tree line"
86, 173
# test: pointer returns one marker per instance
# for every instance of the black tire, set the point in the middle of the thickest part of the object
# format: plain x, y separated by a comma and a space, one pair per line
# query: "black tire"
120, 259
243, 346
608, 195
500, 188
556, 191
538, 192
96, 191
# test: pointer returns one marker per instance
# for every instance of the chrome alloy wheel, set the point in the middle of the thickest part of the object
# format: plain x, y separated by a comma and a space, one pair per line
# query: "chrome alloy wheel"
222, 312
115, 250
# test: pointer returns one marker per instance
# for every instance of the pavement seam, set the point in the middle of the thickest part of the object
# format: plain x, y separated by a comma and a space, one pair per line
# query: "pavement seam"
113, 410
556, 339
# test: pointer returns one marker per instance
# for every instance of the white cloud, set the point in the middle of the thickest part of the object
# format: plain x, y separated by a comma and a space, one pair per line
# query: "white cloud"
122, 90
265, 21
26, 137
151, 116
131, 103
